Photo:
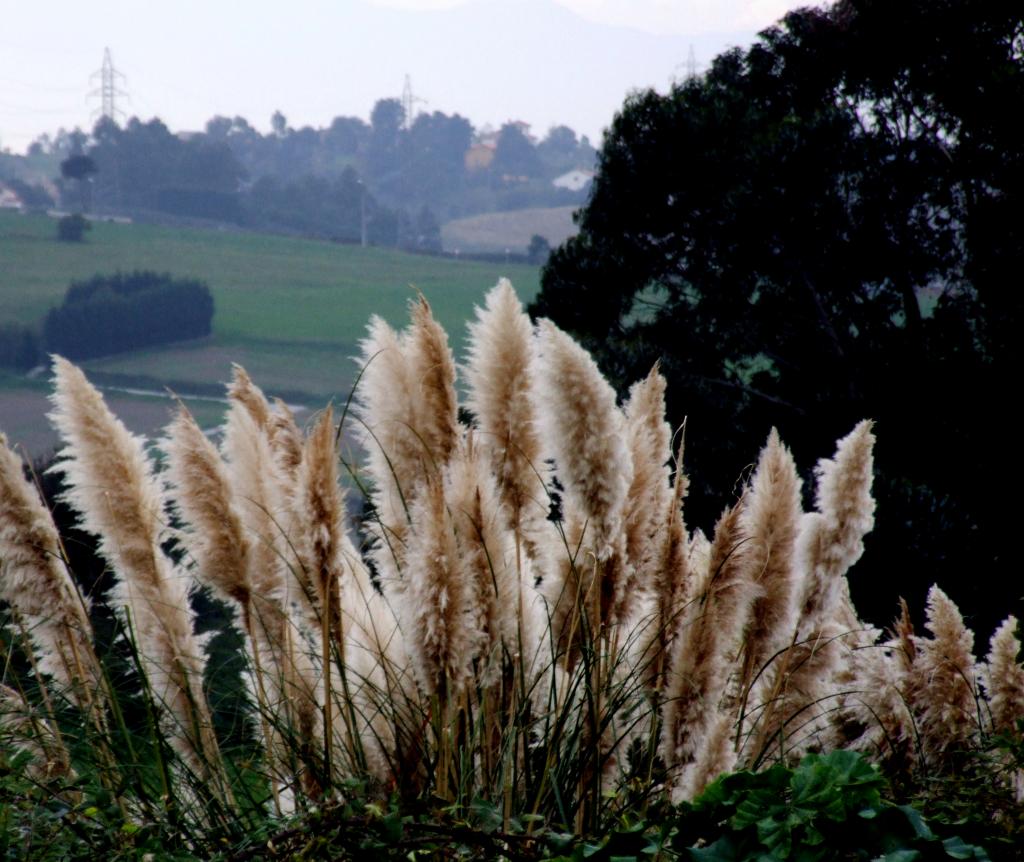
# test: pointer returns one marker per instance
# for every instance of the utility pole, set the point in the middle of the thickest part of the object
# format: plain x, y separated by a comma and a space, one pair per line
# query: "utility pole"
108, 91
409, 102
691, 65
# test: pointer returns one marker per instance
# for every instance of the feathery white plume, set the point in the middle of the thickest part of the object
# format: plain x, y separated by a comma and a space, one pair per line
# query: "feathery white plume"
1004, 678
583, 429
119, 501
499, 395
770, 521
35, 582
942, 681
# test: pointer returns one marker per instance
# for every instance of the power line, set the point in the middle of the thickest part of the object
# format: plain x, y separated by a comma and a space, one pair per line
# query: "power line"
108, 91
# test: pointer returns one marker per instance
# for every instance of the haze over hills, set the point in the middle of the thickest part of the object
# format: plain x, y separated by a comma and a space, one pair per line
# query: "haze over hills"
547, 65
489, 60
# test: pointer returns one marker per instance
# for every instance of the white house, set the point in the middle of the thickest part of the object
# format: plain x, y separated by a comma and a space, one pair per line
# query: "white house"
9, 200
575, 180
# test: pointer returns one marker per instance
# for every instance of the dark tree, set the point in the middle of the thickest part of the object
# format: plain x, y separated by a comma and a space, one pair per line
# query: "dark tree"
384, 157
515, 155
820, 230
427, 232
79, 168
72, 228
434, 166
279, 124
347, 136
539, 250
560, 141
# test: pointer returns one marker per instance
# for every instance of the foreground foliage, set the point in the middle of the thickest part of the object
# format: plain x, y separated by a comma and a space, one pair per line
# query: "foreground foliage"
835, 806
531, 645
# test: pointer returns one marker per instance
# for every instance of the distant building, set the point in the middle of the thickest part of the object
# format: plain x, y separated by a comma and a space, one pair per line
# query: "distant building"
9, 199
479, 156
575, 180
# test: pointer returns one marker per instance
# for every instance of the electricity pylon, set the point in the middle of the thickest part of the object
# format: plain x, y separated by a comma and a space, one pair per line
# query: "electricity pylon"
108, 91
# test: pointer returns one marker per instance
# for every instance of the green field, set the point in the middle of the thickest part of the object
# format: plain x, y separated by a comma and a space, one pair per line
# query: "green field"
509, 231
290, 310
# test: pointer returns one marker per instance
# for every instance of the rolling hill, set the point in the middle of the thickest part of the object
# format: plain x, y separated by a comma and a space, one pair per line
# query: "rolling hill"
290, 310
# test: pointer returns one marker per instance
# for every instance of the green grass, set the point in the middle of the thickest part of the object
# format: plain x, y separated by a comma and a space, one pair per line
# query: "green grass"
290, 310
264, 287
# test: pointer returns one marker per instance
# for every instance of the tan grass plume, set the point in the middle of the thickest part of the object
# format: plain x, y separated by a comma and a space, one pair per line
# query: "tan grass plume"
201, 490
118, 499
771, 522
699, 665
440, 616
942, 682
498, 378
1004, 678
35, 583
649, 439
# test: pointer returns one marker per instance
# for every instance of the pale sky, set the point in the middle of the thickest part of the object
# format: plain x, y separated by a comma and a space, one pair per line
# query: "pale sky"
542, 61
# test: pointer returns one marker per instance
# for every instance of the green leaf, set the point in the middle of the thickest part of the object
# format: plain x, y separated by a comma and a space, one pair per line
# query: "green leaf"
754, 807
917, 822
776, 836
900, 856
957, 849
725, 849
392, 827
486, 815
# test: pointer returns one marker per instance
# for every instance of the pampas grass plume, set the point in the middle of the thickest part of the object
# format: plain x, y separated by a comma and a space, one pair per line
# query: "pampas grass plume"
36, 584
440, 616
770, 520
119, 501
1004, 678
699, 663
649, 439
499, 388
433, 367
584, 431
942, 687
201, 488
319, 522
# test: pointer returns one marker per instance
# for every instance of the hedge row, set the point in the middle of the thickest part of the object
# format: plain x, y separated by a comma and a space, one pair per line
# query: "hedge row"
127, 311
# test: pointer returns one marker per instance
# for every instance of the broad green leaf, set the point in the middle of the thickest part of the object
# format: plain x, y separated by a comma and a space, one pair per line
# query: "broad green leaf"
957, 849
900, 856
917, 822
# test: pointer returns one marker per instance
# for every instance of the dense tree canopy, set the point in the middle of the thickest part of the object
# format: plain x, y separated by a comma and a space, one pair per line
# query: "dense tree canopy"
826, 227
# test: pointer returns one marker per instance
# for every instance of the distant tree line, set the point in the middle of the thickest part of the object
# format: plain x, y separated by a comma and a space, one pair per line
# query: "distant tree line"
109, 314
387, 182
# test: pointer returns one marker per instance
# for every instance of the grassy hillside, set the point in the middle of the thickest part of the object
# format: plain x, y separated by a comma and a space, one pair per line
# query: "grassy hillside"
291, 310
495, 232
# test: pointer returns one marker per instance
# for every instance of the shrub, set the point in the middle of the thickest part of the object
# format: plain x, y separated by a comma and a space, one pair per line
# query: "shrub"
127, 311
488, 657
72, 228
827, 805
19, 347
